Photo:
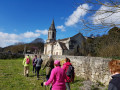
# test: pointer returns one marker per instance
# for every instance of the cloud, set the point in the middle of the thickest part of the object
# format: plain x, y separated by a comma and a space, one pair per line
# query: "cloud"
30, 35
7, 39
62, 28
44, 32
77, 14
101, 16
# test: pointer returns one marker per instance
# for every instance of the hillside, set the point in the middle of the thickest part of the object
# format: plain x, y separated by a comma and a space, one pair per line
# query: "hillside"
36, 45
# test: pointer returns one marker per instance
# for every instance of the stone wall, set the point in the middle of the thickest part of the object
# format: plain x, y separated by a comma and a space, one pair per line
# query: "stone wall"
92, 68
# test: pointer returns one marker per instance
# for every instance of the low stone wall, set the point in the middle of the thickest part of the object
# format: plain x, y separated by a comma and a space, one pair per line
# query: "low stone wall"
92, 68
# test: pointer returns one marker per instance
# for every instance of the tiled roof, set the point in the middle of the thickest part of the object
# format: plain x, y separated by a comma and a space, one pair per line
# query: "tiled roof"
63, 46
62, 39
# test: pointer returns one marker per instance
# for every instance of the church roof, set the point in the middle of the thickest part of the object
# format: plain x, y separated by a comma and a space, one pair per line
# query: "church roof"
63, 46
77, 34
62, 39
69, 37
52, 27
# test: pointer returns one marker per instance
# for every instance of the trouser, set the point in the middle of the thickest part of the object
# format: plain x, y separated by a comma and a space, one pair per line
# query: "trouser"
47, 77
26, 70
34, 69
38, 69
67, 86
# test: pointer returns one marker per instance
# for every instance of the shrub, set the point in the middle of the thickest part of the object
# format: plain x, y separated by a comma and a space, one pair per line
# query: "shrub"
10, 56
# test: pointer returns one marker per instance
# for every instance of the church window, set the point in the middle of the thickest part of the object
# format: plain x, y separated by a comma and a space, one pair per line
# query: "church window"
53, 35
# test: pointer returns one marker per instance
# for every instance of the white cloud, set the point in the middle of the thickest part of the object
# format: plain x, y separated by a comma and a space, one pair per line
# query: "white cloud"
77, 14
102, 16
30, 35
44, 32
62, 28
7, 36
7, 39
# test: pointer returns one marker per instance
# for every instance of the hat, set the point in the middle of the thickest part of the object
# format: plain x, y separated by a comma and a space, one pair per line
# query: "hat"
49, 55
57, 62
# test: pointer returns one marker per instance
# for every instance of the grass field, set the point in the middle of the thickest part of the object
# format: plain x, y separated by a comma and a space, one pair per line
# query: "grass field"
12, 78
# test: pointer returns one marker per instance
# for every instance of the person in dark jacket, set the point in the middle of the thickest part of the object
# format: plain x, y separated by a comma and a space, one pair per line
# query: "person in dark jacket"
49, 66
38, 66
34, 64
114, 67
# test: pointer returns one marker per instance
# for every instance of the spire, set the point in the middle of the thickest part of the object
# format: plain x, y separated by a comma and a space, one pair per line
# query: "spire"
51, 33
52, 27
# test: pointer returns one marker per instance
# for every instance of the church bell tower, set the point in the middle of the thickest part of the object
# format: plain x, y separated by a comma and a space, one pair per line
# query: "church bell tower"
51, 33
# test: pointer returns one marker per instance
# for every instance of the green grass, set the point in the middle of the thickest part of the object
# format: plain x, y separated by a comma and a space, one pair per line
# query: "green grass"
12, 78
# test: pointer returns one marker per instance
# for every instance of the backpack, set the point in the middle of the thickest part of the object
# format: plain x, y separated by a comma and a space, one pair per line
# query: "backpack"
35, 61
70, 71
28, 61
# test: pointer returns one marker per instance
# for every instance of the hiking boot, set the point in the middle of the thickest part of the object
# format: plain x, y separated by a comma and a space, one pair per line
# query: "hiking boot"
37, 78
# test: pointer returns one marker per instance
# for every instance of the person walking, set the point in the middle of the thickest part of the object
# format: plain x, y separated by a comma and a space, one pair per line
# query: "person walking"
38, 66
34, 64
57, 77
68, 78
114, 67
26, 63
49, 66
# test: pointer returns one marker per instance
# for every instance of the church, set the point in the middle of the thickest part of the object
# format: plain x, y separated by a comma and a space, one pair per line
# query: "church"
64, 46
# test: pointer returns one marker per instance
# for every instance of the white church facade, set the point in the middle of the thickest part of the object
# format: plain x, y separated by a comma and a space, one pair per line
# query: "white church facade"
62, 46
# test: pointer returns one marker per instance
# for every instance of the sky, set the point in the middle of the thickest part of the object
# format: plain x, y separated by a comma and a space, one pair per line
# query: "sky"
26, 20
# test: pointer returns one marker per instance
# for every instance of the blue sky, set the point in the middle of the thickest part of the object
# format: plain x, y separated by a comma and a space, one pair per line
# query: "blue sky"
25, 20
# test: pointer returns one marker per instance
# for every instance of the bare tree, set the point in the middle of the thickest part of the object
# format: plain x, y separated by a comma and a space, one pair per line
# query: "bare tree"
101, 13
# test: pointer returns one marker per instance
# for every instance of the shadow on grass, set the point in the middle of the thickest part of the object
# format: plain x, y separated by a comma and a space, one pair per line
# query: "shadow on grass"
42, 74
32, 75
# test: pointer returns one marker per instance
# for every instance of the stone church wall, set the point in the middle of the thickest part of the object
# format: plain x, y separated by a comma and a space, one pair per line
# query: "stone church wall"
92, 68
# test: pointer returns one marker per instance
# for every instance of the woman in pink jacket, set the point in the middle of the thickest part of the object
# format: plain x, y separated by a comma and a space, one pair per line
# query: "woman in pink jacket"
57, 77
68, 79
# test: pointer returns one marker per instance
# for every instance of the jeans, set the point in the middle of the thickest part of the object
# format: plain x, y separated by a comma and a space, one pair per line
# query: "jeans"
34, 69
67, 86
38, 69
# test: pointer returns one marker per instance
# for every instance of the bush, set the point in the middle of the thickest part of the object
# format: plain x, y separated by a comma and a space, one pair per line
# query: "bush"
10, 56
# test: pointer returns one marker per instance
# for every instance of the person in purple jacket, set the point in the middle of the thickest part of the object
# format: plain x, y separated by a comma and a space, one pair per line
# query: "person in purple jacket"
34, 64
57, 77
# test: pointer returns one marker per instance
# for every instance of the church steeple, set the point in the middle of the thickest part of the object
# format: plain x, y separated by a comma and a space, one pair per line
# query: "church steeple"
52, 27
51, 33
